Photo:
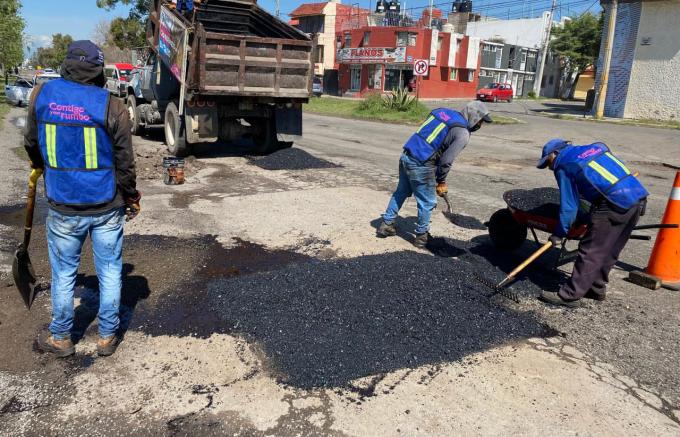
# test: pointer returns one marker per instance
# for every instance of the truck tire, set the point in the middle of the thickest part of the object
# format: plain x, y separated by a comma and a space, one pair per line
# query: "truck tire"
175, 133
265, 140
136, 126
505, 232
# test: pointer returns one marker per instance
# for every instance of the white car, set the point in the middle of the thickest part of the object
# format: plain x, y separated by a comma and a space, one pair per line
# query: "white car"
19, 93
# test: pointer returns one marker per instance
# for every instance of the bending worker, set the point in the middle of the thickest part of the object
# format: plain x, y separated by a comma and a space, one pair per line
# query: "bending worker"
617, 201
426, 161
81, 137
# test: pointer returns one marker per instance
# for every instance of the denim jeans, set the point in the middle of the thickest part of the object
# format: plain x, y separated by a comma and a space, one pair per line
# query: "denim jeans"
65, 237
418, 180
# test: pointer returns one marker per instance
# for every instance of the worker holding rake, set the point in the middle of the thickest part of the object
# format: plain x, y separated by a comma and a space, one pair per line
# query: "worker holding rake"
592, 173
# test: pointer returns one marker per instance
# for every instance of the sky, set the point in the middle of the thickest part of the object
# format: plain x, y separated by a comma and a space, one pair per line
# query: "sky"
75, 17
79, 17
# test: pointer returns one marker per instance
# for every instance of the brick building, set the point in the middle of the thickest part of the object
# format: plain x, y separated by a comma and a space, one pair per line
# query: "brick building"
381, 58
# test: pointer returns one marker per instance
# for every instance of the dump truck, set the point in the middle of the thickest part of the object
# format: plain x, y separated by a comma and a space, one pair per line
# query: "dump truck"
225, 70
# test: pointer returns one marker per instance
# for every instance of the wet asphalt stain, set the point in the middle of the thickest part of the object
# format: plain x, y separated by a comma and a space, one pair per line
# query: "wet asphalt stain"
400, 310
291, 159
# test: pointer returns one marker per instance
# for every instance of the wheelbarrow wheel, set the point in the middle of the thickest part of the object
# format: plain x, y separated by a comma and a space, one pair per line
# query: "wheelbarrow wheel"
505, 232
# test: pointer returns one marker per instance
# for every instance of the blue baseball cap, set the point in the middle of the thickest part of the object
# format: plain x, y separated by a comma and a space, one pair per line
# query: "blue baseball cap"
85, 51
551, 146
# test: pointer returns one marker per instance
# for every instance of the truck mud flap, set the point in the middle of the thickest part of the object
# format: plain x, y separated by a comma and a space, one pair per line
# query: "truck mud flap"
289, 121
202, 124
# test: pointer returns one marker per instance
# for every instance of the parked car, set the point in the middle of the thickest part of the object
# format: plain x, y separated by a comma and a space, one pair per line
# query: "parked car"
495, 92
117, 78
317, 86
19, 93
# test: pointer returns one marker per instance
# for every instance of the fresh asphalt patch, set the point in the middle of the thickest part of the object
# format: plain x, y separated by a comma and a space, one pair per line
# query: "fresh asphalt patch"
291, 159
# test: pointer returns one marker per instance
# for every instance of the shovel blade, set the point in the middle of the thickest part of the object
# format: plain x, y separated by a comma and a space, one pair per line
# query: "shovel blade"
24, 276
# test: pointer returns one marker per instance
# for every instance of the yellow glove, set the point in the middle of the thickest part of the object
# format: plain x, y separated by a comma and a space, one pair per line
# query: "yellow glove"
442, 189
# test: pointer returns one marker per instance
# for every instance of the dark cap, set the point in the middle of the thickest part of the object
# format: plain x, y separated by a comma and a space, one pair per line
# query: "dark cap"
554, 145
85, 51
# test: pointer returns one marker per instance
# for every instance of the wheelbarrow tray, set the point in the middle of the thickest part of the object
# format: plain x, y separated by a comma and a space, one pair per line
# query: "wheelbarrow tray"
543, 216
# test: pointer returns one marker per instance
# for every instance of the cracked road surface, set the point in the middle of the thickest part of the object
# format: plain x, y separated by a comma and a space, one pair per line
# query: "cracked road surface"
257, 301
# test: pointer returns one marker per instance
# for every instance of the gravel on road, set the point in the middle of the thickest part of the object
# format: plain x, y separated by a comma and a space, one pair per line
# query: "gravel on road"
291, 159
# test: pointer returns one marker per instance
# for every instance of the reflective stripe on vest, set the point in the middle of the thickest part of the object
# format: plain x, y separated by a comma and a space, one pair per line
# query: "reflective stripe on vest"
51, 141
90, 136
422, 126
435, 132
603, 172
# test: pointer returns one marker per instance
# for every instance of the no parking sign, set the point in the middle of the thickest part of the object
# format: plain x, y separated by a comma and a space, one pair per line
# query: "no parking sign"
421, 67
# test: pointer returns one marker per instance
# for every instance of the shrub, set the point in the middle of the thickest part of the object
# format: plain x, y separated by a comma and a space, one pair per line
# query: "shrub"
531, 94
372, 103
399, 100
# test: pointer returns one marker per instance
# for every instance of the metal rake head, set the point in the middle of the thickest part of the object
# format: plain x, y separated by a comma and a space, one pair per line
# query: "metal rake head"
497, 289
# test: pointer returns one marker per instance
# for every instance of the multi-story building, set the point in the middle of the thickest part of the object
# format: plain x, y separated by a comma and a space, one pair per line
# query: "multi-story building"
381, 59
645, 60
507, 63
322, 21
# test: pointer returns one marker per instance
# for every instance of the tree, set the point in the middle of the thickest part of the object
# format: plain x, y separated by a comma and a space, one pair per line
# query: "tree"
11, 34
103, 37
54, 55
128, 32
578, 42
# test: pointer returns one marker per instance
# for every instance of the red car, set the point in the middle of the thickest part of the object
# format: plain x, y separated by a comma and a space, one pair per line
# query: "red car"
495, 92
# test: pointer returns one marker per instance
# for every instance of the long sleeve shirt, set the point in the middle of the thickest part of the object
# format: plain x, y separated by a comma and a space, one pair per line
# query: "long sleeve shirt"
118, 128
454, 143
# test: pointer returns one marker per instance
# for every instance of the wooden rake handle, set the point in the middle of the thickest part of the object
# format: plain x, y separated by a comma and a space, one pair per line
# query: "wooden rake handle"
30, 204
531, 259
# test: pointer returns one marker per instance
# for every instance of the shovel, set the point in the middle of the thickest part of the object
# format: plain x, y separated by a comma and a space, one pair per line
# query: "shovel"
500, 287
22, 269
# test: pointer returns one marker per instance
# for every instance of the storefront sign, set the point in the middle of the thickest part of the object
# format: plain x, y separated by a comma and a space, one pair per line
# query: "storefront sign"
372, 54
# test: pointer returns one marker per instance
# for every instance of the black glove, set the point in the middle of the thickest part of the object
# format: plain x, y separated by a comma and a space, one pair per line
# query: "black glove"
555, 240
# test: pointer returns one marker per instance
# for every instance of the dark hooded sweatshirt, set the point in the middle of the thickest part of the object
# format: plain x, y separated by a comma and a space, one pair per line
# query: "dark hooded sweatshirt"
117, 126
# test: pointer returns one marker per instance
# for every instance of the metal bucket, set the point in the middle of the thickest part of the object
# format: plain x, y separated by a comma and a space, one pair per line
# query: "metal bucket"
174, 170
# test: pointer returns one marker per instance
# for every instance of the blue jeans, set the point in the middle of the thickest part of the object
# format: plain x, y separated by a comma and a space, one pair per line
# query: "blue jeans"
65, 237
418, 180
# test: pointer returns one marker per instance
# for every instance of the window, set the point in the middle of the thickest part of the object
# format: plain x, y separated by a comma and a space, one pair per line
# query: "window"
444, 74
551, 80
367, 37
312, 24
471, 75
348, 39
453, 74
108, 72
406, 39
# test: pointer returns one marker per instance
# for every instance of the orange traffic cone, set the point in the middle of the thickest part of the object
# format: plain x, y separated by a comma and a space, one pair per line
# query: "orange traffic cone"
663, 268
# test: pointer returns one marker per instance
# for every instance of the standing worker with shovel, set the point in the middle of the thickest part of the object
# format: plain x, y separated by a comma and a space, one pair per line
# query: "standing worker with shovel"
426, 161
81, 137
594, 174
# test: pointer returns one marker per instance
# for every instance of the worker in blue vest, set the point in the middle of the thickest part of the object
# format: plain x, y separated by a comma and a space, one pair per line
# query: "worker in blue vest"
426, 161
617, 200
80, 136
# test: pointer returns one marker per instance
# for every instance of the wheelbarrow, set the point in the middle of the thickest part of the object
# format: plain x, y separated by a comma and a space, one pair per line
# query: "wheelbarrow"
525, 211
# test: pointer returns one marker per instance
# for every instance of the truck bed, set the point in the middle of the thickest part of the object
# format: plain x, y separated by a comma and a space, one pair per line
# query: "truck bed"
238, 49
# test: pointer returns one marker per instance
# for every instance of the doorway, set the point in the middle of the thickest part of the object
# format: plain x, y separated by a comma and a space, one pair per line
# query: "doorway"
355, 78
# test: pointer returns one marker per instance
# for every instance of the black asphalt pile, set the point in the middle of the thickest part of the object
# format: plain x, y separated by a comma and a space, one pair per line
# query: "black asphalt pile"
544, 202
290, 159
326, 323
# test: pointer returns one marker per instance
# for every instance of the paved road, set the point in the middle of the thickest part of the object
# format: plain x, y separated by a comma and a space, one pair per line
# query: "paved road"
216, 270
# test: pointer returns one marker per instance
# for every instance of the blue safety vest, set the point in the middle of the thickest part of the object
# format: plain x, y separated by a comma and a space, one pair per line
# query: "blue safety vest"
429, 138
601, 170
76, 149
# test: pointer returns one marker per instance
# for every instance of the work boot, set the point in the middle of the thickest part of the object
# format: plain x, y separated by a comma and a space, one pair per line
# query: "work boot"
386, 230
592, 294
61, 348
556, 299
107, 345
421, 240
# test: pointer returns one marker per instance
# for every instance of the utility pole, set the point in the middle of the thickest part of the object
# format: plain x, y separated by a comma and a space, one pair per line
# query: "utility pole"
430, 19
604, 74
544, 51
278, 8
